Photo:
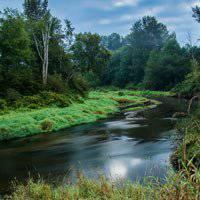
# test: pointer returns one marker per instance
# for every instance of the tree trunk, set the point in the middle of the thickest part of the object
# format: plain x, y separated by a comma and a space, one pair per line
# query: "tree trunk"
43, 50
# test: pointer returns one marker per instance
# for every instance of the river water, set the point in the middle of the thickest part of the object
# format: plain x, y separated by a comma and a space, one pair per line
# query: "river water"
118, 147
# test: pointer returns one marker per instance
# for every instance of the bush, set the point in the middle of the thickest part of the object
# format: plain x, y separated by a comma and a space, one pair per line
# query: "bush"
43, 99
140, 86
51, 98
4, 134
121, 93
191, 85
13, 95
47, 125
80, 85
3, 104
56, 84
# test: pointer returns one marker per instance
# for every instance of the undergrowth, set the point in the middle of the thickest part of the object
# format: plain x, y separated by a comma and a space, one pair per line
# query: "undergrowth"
176, 186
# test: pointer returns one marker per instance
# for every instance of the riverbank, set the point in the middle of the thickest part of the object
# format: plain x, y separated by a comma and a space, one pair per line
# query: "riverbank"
181, 184
98, 105
188, 151
176, 187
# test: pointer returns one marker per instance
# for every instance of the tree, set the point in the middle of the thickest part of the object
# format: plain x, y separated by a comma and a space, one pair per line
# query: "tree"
112, 42
196, 13
89, 55
35, 9
166, 68
191, 85
69, 33
147, 34
42, 41
40, 25
16, 55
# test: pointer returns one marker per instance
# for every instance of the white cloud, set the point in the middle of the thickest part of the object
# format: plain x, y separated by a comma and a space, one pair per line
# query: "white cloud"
174, 20
105, 21
153, 11
195, 3
122, 3
187, 6
122, 18
125, 18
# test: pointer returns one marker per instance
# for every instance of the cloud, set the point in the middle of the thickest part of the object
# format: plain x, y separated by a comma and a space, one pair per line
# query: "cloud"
116, 20
123, 3
187, 6
195, 3
105, 21
153, 11
127, 18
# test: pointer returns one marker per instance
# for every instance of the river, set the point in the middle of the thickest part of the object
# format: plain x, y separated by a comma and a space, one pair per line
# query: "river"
118, 147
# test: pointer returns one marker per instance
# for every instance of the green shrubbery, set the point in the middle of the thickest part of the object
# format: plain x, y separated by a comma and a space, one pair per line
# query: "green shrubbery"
43, 99
46, 125
3, 104
191, 85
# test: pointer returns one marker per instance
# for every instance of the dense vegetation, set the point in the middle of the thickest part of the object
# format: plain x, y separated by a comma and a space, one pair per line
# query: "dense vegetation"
176, 187
47, 71
39, 52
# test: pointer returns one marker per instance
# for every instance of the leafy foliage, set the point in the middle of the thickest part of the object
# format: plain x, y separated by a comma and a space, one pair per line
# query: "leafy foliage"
148, 48
166, 68
191, 85
89, 55
35, 9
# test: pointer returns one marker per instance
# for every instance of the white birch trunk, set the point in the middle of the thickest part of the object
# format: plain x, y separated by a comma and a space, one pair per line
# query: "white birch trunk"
43, 51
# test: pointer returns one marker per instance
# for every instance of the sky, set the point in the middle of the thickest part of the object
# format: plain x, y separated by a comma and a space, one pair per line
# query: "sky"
108, 16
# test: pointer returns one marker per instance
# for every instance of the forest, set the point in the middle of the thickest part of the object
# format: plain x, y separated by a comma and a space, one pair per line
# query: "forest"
41, 53
53, 78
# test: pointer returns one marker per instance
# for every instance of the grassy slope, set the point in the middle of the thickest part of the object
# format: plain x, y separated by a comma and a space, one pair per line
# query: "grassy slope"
97, 106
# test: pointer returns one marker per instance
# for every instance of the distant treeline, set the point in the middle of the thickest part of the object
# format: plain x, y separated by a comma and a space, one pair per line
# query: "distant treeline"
149, 57
38, 52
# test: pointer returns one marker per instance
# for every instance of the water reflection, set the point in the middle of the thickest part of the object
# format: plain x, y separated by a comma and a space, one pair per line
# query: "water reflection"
123, 124
119, 168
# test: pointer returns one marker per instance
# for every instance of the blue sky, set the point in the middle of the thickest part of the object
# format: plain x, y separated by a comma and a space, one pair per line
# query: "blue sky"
107, 16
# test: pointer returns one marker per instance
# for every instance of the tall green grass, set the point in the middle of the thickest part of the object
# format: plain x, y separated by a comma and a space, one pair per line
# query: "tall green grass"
98, 105
177, 186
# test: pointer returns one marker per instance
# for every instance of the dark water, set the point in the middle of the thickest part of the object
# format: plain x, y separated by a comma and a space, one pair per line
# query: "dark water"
118, 147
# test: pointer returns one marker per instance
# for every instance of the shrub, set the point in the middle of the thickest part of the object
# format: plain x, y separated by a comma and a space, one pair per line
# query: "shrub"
4, 134
121, 93
47, 125
51, 98
56, 84
3, 104
43, 99
13, 95
80, 85
191, 85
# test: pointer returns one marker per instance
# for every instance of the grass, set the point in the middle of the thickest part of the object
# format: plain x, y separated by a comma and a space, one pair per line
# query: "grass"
177, 186
183, 184
99, 104
189, 148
